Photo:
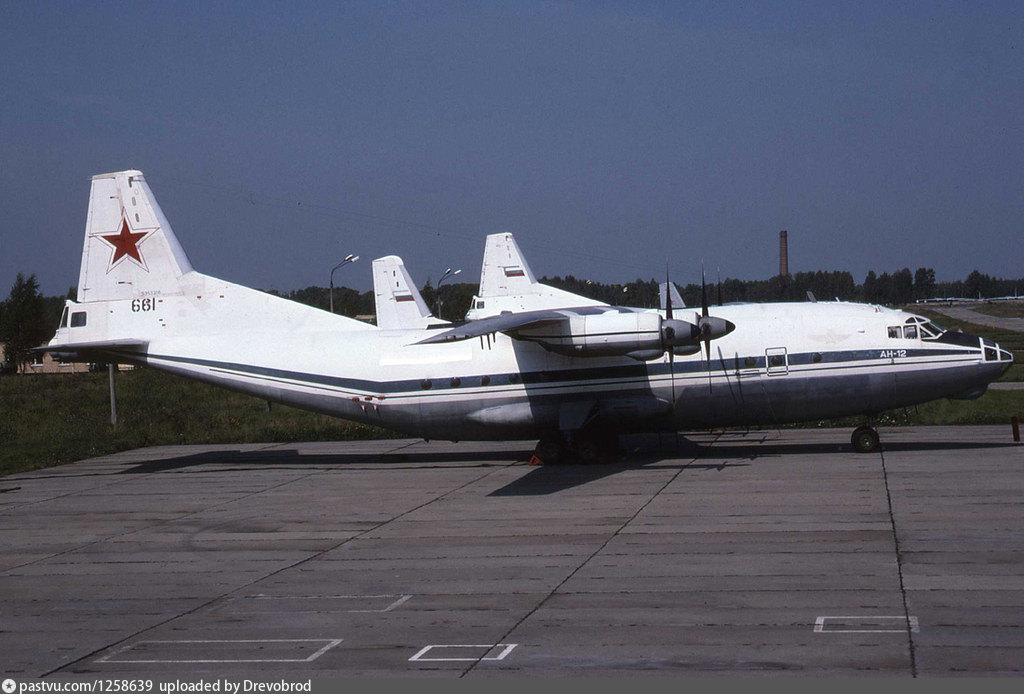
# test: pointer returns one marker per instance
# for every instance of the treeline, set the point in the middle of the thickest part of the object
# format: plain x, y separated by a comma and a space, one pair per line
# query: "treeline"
892, 289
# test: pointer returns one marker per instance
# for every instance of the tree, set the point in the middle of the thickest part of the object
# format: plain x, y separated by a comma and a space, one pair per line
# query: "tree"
902, 287
871, 288
22, 320
924, 283
977, 285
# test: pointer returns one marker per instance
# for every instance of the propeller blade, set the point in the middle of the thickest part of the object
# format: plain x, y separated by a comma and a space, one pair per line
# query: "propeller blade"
704, 327
668, 296
703, 293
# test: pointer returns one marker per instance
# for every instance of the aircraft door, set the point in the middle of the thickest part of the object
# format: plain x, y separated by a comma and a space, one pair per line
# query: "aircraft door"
777, 361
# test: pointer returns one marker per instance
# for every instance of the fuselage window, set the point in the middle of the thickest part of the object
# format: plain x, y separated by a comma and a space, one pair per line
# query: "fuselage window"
895, 332
455, 382
750, 362
425, 384
777, 360
816, 358
910, 332
78, 319
485, 380
513, 378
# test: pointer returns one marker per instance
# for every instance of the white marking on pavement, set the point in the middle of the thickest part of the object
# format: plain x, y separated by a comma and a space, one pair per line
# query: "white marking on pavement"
488, 647
866, 624
125, 651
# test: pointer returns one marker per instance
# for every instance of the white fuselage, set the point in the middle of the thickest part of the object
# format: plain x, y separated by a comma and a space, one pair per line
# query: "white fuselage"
783, 362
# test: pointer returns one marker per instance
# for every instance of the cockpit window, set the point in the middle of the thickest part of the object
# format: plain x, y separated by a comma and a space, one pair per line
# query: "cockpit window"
928, 330
910, 332
64, 318
895, 332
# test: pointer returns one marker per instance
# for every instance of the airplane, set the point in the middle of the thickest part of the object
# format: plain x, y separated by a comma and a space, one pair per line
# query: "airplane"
529, 362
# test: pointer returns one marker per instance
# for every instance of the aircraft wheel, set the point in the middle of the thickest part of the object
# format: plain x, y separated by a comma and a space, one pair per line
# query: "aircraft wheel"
596, 448
865, 440
589, 451
550, 450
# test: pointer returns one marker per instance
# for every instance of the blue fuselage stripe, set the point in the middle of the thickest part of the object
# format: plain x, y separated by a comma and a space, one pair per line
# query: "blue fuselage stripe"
639, 372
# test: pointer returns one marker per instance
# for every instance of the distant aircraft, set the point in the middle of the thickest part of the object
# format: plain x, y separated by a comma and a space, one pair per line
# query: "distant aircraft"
530, 361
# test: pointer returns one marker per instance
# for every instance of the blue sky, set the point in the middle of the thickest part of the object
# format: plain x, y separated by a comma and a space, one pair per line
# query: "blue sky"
610, 137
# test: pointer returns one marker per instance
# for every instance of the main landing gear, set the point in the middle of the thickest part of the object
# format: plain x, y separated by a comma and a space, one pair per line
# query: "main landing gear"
865, 440
584, 447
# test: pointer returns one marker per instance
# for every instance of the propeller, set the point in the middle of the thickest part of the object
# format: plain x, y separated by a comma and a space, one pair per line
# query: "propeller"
710, 327
668, 332
705, 327
685, 337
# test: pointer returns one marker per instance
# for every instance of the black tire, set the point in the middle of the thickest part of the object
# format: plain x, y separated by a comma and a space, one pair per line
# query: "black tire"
595, 447
865, 440
589, 451
550, 450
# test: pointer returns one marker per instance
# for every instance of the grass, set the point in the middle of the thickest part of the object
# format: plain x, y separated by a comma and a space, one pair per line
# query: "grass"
53, 419
994, 407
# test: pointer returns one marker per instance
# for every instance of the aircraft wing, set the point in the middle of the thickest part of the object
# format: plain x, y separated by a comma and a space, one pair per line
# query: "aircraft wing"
501, 323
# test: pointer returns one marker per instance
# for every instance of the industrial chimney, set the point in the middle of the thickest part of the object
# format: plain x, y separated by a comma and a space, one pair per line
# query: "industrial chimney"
783, 254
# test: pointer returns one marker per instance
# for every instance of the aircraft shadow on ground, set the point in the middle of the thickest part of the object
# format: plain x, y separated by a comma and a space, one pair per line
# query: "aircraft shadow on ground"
551, 479
546, 479
235, 460
717, 457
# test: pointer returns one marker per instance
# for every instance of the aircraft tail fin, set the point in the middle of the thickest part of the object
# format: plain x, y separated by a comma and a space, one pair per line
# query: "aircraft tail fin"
673, 291
398, 302
505, 271
130, 249
508, 284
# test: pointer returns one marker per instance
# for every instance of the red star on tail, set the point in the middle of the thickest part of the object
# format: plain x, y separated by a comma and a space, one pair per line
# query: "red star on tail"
125, 243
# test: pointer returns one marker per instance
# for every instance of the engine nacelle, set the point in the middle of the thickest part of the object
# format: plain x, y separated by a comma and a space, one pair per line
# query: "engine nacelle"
641, 335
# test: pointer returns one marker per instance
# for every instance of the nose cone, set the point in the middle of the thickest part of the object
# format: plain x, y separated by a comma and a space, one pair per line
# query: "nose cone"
713, 327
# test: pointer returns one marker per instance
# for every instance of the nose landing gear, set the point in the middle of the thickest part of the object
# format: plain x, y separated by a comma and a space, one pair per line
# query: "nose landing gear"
865, 440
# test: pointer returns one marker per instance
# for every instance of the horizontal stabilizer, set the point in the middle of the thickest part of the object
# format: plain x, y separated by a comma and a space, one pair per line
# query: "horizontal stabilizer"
97, 350
98, 344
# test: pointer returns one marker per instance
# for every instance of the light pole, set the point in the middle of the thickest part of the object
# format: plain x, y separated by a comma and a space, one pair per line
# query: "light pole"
447, 273
348, 259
